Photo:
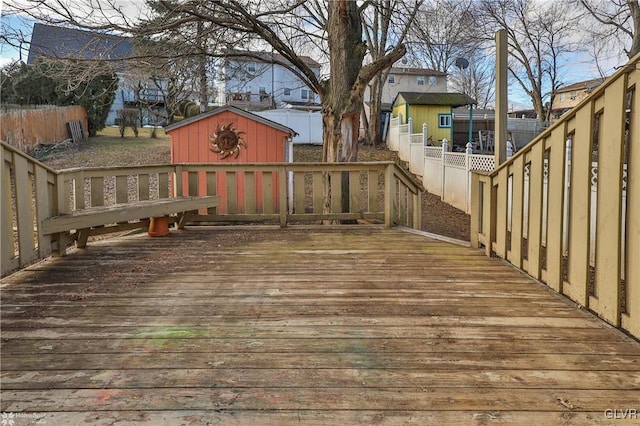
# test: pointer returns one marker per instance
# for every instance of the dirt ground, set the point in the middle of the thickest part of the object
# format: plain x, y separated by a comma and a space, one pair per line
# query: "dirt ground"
437, 217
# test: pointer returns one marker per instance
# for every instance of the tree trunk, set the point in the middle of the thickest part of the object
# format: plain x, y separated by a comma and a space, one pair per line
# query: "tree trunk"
202, 69
343, 96
634, 11
341, 106
375, 110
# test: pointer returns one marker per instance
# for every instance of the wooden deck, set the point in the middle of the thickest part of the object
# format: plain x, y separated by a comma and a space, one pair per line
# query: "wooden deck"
262, 326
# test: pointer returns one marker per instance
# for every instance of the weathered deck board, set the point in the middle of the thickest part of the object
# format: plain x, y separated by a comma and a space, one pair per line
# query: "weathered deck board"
357, 325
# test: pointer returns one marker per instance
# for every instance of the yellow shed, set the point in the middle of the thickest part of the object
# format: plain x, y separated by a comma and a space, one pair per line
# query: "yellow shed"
434, 109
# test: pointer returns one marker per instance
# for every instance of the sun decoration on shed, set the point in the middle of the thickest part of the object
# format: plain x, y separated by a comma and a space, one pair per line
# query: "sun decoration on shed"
226, 141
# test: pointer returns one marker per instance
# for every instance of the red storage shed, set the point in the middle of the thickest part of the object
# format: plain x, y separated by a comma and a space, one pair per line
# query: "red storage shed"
228, 135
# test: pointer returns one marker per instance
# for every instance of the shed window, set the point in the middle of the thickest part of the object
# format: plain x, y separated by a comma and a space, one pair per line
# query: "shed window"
444, 120
420, 80
304, 93
433, 80
251, 67
392, 79
287, 91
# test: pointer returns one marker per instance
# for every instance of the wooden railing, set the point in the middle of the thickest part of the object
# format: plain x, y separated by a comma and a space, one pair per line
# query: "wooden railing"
28, 196
283, 193
524, 220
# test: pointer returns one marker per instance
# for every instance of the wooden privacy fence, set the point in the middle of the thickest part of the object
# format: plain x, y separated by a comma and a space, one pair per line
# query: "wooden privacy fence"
519, 215
291, 193
25, 129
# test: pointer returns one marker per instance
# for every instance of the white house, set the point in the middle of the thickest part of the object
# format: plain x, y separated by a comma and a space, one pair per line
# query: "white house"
256, 82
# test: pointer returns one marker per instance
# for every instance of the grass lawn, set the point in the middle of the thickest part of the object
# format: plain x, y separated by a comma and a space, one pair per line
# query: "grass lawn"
109, 149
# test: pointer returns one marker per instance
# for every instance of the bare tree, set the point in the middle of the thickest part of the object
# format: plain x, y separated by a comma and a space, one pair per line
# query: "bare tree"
477, 79
617, 20
540, 36
387, 24
444, 31
284, 25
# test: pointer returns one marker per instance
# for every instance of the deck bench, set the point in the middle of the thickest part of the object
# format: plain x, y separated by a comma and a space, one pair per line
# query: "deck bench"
93, 220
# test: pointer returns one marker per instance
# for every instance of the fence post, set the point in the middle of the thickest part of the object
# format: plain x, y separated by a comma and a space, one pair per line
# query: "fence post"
445, 149
410, 129
425, 137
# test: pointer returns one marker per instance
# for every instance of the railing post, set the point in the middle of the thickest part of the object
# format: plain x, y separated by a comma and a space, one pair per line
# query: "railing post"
467, 168
476, 210
177, 181
389, 195
567, 189
417, 209
282, 195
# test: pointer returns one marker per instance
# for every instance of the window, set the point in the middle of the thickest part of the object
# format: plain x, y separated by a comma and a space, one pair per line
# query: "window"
573, 95
444, 120
420, 80
287, 91
433, 80
304, 94
263, 90
392, 79
563, 97
251, 67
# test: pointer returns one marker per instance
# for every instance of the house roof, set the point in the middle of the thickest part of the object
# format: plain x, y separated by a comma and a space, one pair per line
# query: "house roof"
581, 85
234, 110
416, 71
434, 98
243, 55
60, 42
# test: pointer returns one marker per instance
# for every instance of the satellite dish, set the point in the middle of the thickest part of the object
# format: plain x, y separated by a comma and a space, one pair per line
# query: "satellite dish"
462, 63
404, 61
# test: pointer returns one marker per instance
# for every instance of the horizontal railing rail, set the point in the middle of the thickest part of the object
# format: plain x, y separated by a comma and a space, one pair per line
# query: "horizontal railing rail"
284, 193
539, 210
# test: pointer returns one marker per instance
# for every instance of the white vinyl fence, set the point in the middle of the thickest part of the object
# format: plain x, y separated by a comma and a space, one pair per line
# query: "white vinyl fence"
443, 173
308, 125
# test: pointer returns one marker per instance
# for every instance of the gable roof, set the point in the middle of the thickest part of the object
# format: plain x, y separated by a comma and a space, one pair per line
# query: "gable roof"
234, 110
582, 85
434, 98
415, 71
60, 42
266, 57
